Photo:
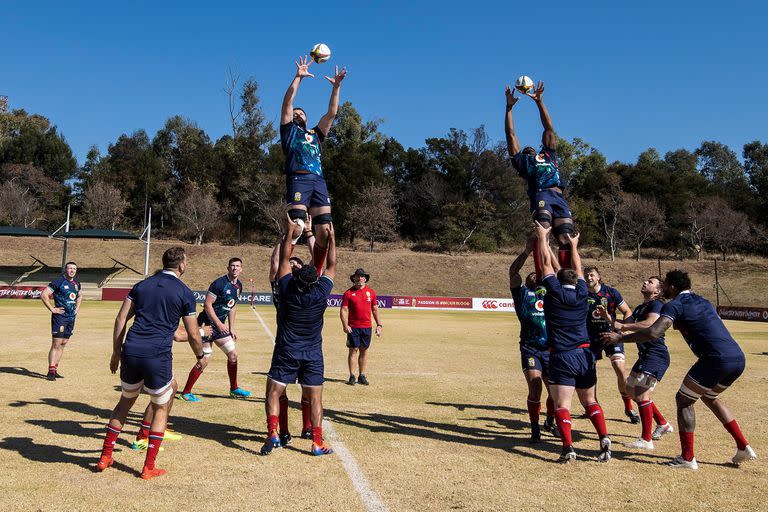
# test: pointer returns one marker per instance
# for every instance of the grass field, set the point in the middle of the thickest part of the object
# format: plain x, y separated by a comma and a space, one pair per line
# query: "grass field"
443, 426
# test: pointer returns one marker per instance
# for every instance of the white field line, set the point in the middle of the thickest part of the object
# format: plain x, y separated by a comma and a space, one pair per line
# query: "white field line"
370, 499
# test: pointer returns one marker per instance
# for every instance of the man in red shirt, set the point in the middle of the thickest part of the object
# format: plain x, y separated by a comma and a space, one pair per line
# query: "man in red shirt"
356, 308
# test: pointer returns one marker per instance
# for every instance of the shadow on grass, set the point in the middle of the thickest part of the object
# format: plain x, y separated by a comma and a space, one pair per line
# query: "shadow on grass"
50, 453
18, 370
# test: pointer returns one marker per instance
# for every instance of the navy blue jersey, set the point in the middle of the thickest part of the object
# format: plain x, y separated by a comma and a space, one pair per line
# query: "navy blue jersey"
565, 311
641, 313
539, 171
610, 299
301, 314
227, 293
302, 148
65, 293
529, 307
159, 302
701, 327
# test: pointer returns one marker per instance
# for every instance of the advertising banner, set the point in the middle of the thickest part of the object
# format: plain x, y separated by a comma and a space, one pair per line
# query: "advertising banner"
739, 313
443, 302
493, 304
21, 292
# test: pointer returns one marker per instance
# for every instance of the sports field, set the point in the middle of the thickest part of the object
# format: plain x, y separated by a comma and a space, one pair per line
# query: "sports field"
443, 426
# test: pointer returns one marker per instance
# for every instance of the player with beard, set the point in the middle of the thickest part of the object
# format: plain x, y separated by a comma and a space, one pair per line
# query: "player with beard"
66, 304
305, 182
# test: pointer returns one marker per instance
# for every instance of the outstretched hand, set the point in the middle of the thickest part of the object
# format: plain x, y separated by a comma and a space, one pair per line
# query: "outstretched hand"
302, 67
337, 77
574, 239
511, 99
541, 232
537, 93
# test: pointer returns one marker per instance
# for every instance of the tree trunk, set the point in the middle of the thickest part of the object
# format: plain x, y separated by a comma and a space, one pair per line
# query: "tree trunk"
370, 248
637, 256
199, 238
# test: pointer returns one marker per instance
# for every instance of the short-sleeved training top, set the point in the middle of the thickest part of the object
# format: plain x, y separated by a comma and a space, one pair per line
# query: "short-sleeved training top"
539, 171
227, 293
302, 148
611, 299
65, 293
529, 307
701, 326
159, 302
565, 311
301, 314
641, 313
360, 303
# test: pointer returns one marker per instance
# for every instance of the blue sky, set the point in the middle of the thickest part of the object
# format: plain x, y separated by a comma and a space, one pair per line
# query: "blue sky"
623, 77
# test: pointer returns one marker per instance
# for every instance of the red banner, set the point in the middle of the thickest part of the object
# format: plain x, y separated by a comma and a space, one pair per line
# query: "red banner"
403, 302
737, 313
114, 293
444, 302
21, 292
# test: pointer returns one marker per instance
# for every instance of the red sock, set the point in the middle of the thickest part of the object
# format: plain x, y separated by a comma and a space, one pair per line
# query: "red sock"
733, 428
109, 441
155, 439
272, 422
537, 261
550, 407
534, 410
194, 374
317, 435
564, 256
283, 414
143, 431
563, 419
596, 416
657, 416
232, 371
627, 403
52, 368
306, 416
318, 257
646, 418
686, 443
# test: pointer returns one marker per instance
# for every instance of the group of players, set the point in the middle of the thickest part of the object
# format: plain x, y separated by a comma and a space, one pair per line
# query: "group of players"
568, 320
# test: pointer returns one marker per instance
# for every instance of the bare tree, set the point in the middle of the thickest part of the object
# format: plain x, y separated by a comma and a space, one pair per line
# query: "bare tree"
374, 214
104, 206
198, 212
18, 206
610, 206
641, 221
721, 226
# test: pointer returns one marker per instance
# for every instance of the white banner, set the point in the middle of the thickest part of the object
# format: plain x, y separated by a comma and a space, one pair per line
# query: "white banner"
493, 304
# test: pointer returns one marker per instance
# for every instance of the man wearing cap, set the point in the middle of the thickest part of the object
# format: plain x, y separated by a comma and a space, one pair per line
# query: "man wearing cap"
356, 307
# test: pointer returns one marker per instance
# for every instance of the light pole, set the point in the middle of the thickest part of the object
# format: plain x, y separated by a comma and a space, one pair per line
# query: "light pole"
239, 217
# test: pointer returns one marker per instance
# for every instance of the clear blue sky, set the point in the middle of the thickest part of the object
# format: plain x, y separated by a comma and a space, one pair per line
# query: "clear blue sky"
623, 77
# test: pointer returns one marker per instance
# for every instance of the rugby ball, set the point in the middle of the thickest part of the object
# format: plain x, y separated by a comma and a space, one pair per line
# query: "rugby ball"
524, 84
320, 53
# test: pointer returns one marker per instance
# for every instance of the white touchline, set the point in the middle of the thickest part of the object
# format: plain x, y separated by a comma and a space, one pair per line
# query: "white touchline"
370, 499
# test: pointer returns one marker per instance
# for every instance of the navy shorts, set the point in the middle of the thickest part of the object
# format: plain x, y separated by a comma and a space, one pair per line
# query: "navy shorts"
712, 371
217, 334
307, 189
62, 326
553, 202
611, 349
532, 358
653, 364
155, 372
359, 337
573, 368
306, 367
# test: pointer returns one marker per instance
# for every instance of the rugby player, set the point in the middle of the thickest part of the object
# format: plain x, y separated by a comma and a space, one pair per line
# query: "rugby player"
66, 304
571, 362
539, 169
145, 358
296, 263
606, 298
720, 362
534, 355
299, 348
220, 306
357, 304
652, 363
305, 182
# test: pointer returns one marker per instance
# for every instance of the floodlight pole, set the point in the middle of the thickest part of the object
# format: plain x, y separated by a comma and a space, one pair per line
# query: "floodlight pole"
66, 240
148, 232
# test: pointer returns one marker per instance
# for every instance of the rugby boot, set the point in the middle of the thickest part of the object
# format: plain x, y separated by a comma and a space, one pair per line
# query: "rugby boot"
660, 430
605, 450
239, 393
307, 433
567, 455
744, 455
189, 397
142, 444
362, 380
148, 474
170, 435
640, 444
285, 439
104, 462
272, 443
634, 418
680, 462
351, 380
323, 449
535, 435
51, 376
58, 375
550, 426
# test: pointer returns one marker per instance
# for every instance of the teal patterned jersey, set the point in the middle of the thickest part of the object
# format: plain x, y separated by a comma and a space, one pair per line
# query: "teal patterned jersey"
302, 148
529, 307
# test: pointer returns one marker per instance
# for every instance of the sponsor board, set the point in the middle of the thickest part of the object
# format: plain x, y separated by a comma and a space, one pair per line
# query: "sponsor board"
21, 292
739, 313
443, 302
384, 302
493, 304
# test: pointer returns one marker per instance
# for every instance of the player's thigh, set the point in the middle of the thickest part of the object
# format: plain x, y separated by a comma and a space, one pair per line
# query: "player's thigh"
285, 367
298, 191
312, 370
320, 200
226, 343
533, 360
365, 338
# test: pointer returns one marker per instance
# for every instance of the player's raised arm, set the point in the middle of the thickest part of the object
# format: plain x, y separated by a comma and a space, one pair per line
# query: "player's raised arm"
274, 261
326, 121
575, 257
292, 231
549, 137
302, 71
513, 145
330, 263
515, 281
545, 253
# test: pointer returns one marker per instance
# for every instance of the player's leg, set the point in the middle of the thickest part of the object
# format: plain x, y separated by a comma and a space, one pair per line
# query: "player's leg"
196, 372
142, 437
563, 398
618, 363
353, 344
161, 400
586, 388
131, 382
543, 216
562, 227
320, 208
362, 360
284, 431
639, 387
689, 393
306, 414
311, 378
274, 391
534, 380
54, 356
228, 346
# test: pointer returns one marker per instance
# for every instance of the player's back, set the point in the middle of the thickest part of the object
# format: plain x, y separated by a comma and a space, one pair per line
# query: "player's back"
159, 302
701, 326
529, 307
301, 314
566, 310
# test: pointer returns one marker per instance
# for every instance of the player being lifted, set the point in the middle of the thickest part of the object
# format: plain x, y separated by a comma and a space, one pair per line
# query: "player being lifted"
305, 182
539, 169
720, 362
220, 307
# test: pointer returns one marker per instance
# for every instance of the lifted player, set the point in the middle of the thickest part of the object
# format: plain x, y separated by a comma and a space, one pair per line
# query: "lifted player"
720, 362
539, 169
305, 183
604, 298
534, 355
66, 304
220, 306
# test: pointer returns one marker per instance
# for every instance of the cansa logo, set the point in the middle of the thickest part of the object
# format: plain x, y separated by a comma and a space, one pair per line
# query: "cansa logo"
495, 304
